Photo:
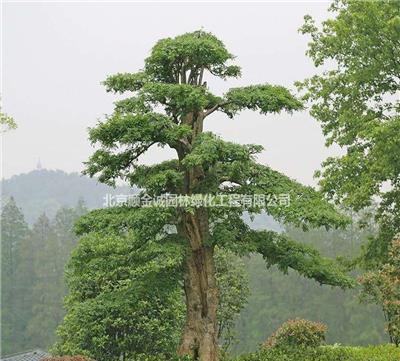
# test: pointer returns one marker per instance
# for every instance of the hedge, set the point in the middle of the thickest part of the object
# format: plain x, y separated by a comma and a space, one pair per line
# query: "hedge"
326, 353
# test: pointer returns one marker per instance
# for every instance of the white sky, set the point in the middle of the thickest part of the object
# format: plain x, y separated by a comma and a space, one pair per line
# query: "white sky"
56, 54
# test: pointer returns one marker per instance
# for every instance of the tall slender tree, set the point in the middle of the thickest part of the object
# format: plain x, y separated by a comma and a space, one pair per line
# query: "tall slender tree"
14, 242
48, 288
53, 243
168, 107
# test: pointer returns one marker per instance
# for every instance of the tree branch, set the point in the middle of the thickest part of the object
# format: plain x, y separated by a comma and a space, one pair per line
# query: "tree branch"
214, 108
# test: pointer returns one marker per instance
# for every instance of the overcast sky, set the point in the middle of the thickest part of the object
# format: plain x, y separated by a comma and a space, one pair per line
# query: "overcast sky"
56, 54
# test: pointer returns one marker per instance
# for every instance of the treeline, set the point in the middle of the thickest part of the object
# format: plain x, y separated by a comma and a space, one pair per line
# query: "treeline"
32, 267
33, 287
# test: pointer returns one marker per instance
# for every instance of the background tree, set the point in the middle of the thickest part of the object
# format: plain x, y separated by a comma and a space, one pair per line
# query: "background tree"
356, 100
54, 241
383, 288
357, 103
33, 284
14, 245
233, 288
63, 225
169, 105
47, 290
6, 122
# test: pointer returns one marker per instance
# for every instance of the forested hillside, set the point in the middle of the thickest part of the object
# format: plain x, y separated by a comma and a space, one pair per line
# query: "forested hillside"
34, 257
44, 190
32, 265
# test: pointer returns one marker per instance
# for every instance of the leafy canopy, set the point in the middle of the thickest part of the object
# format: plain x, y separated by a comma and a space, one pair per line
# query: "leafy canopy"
356, 101
168, 102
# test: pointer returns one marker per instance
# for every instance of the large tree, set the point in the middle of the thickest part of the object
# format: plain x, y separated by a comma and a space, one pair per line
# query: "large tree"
356, 100
168, 103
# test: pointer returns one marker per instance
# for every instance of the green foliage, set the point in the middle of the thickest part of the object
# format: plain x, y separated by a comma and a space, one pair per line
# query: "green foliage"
148, 223
125, 298
169, 107
209, 150
121, 323
122, 82
326, 353
158, 179
15, 248
171, 58
264, 98
33, 284
276, 297
68, 358
172, 80
356, 102
125, 287
47, 292
279, 250
7, 122
383, 288
298, 333
233, 294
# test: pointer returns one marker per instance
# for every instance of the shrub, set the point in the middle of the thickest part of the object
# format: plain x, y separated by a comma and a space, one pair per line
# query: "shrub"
325, 353
383, 288
298, 332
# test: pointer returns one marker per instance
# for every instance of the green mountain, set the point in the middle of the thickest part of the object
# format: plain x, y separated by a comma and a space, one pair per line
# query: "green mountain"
44, 190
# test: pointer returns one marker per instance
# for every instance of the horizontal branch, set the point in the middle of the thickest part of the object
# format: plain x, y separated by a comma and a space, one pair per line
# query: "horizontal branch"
281, 251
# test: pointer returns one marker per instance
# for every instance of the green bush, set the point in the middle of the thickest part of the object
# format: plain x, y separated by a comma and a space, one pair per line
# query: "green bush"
325, 353
297, 332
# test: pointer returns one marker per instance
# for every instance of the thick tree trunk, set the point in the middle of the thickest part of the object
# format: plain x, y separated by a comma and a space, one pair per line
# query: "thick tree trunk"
199, 337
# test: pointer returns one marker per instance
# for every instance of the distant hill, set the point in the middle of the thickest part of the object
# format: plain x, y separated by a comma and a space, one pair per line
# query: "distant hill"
46, 191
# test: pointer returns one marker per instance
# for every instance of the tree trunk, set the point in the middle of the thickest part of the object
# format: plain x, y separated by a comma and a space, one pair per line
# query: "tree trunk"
199, 337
